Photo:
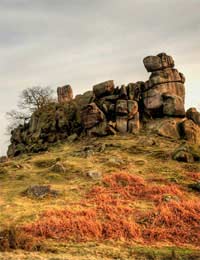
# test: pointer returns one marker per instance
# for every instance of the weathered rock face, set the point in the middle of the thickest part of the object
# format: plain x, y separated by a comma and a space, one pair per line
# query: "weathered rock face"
65, 94
157, 105
134, 124
91, 115
164, 92
173, 105
55, 122
167, 127
190, 131
84, 100
134, 90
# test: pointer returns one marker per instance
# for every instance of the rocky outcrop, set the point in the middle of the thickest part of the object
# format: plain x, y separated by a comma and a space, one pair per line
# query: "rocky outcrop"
156, 105
164, 92
53, 123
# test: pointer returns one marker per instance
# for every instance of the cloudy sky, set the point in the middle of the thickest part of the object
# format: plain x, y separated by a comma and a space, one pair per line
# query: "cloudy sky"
83, 42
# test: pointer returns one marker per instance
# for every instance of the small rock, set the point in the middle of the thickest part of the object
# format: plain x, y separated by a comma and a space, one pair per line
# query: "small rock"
186, 153
72, 138
195, 186
58, 168
183, 156
147, 141
168, 198
115, 162
88, 151
101, 147
95, 175
40, 191
140, 162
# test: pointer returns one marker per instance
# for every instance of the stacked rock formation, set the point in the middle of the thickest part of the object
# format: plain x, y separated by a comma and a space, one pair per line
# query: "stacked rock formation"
113, 109
164, 92
155, 105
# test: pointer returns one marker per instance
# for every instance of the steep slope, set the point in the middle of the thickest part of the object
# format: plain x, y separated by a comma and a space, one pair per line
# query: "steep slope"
115, 197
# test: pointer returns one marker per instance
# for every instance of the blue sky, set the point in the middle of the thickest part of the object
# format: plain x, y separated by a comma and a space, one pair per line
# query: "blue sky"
83, 42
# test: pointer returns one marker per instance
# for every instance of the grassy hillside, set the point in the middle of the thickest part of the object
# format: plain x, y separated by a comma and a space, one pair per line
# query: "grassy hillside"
118, 197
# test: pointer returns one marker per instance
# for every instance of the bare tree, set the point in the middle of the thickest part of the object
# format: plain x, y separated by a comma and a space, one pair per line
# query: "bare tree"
31, 99
35, 98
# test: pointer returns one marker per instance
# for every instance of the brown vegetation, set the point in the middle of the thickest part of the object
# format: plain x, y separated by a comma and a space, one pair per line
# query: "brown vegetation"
172, 219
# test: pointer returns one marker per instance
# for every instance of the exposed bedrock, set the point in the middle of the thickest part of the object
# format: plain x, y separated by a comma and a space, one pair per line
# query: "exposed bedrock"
157, 105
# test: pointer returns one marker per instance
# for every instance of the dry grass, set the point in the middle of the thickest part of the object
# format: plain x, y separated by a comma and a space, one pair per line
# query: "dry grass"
146, 204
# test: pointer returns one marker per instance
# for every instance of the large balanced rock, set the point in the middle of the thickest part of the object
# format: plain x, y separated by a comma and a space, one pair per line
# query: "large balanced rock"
159, 62
164, 92
65, 94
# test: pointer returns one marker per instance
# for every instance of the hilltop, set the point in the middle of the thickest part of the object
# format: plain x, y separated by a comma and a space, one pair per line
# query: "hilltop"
110, 174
